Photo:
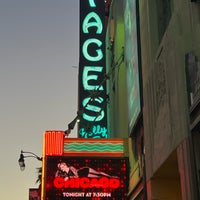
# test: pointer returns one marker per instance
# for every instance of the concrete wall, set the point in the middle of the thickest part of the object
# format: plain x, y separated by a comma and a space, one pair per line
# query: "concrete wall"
164, 81
166, 114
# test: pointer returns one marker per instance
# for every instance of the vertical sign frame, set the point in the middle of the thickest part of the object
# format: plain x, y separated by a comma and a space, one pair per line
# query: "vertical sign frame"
132, 58
92, 70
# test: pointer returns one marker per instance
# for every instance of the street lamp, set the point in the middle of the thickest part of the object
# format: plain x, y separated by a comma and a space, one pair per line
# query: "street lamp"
26, 154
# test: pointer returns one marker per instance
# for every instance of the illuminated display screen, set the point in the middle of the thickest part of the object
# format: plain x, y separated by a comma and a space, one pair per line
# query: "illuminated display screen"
34, 193
92, 88
86, 178
131, 57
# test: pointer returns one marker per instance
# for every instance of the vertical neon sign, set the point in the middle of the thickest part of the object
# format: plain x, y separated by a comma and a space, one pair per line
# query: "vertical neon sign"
92, 88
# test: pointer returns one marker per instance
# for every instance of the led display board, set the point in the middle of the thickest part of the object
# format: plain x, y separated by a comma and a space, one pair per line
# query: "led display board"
132, 61
86, 178
34, 194
92, 87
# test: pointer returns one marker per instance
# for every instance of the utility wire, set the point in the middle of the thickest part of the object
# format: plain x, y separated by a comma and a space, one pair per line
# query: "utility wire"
95, 93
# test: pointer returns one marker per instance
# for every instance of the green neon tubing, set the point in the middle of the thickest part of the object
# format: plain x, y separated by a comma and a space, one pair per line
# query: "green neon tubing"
94, 109
99, 51
96, 22
92, 4
86, 77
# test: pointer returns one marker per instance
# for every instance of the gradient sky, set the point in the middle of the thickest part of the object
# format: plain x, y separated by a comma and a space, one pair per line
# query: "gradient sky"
39, 47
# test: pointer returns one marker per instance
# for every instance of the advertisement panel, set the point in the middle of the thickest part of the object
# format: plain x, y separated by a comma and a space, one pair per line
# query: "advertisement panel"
34, 194
86, 178
132, 61
92, 84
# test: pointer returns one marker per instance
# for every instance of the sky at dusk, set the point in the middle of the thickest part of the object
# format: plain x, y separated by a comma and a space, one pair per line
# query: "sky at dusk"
39, 56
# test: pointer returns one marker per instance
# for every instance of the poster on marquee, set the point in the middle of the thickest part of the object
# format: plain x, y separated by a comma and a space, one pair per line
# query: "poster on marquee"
86, 178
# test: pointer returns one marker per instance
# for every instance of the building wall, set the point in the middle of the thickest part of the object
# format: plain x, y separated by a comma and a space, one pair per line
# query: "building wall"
169, 31
117, 89
117, 109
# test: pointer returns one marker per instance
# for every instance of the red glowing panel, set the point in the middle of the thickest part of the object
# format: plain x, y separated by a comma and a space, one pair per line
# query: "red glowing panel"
86, 178
53, 142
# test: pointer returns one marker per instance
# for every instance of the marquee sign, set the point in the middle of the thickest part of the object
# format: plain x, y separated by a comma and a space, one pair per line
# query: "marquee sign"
92, 88
86, 178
